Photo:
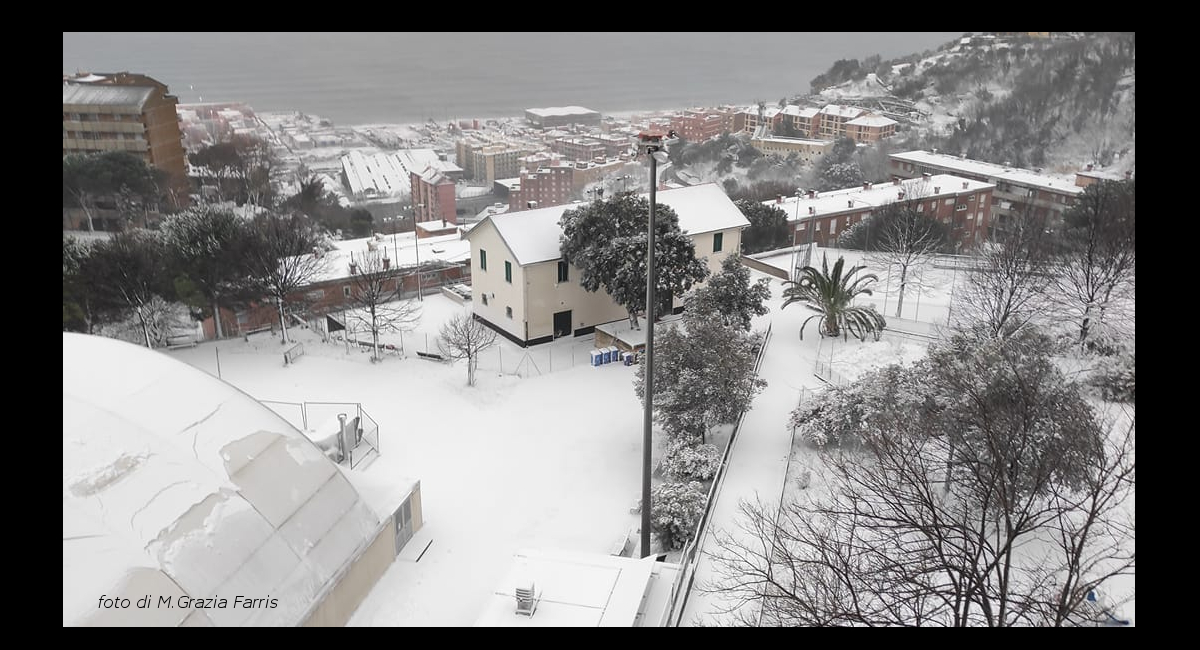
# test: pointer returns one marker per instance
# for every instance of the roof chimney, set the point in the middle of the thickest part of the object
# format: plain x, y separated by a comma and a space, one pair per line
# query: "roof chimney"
812, 194
849, 203
1089, 167
935, 151
965, 183
779, 198
927, 176
812, 210
1128, 175
937, 189
895, 181
866, 185
900, 195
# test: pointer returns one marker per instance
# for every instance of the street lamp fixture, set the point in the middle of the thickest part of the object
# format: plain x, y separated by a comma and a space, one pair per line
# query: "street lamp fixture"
654, 144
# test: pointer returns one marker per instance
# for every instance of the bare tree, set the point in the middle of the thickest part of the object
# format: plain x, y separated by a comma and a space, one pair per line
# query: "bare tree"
375, 289
285, 255
1007, 285
897, 235
465, 337
1098, 252
1035, 520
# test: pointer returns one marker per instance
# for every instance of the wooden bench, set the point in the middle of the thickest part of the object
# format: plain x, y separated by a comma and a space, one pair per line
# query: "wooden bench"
293, 353
429, 356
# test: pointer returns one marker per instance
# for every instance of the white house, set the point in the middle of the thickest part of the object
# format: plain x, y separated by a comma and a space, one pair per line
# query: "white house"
523, 288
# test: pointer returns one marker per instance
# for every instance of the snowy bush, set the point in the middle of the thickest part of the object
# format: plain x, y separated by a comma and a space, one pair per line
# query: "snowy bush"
840, 416
1114, 378
683, 461
675, 510
162, 319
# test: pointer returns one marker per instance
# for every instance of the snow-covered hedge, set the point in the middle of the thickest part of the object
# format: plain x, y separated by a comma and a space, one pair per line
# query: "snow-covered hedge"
676, 508
683, 461
1114, 378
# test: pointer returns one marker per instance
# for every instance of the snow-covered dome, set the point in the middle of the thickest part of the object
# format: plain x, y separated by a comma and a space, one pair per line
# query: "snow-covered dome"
177, 485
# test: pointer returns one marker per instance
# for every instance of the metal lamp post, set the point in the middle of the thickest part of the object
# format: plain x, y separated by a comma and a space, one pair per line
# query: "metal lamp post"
795, 272
417, 250
650, 143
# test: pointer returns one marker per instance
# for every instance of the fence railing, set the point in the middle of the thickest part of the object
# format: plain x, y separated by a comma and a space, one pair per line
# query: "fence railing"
683, 581
299, 414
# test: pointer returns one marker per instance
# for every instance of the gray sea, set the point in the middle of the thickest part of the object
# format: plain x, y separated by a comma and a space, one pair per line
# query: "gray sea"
362, 78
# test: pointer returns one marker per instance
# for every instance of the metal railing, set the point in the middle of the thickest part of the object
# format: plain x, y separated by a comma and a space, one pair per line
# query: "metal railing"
687, 560
298, 414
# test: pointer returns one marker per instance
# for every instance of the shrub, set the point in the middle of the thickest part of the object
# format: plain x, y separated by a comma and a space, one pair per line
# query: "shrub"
1114, 378
688, 462
675, 510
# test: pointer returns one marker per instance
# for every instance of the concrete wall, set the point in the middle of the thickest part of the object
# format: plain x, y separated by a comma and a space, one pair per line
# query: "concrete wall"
547, 296
354, 585
500, 294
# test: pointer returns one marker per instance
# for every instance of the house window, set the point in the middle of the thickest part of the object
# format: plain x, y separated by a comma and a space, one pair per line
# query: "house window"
482, 260
920, 207
484, 300
961, 207
563, 273
508, 311
346, 292
718, 239
508, 272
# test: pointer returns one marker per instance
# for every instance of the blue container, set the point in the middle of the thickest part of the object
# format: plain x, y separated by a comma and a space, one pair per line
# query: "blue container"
606, 354
628, 358
597, 357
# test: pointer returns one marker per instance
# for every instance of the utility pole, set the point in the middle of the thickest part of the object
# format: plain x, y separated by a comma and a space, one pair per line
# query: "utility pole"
650, 143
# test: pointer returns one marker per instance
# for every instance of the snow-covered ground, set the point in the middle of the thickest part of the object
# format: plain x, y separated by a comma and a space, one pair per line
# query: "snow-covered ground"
552, 461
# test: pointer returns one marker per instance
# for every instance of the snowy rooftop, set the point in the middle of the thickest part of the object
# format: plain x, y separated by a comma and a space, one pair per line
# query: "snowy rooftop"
842, 111
176, 483
399, 249
872, 120
561, 110
582, 590
388, 173
991, 170
856, 198
792, 109
93, 95
533, 235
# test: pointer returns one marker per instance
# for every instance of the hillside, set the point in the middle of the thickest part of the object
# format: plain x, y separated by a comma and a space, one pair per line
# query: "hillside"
1056, 103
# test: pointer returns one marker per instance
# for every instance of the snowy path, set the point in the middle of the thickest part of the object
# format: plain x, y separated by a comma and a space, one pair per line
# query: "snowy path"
758, 460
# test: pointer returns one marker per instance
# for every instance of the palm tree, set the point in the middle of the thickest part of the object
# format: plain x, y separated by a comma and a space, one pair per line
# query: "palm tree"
830, 295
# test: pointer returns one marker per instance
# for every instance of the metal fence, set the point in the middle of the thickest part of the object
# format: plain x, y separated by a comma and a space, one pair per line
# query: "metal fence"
687, 560
300, 414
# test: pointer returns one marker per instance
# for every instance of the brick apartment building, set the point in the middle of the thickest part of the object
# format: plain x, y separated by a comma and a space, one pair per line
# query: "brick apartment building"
964, 205
870, 128
1018, 191
700, 124
579, 148
124, 111
432, 196
828, 123
543, 187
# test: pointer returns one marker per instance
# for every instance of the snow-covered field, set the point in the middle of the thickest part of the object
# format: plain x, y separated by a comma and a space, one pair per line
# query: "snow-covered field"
552, 461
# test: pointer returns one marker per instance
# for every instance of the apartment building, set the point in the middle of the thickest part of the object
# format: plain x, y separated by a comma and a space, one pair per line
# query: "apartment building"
963, 204
870, 128
432, 196
1018, 191
124, 111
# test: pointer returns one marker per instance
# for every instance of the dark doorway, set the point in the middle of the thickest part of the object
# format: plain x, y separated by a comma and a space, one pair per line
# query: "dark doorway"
562, 323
